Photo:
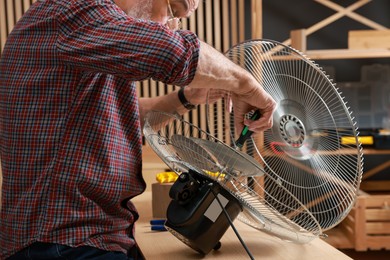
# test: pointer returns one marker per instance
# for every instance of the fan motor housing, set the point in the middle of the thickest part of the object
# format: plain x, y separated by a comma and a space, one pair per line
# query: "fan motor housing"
200, 222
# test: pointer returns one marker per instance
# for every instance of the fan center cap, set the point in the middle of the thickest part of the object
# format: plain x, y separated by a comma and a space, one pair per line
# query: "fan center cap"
292, 130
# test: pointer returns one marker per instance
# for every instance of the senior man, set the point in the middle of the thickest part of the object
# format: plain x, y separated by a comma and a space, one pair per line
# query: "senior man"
71, 121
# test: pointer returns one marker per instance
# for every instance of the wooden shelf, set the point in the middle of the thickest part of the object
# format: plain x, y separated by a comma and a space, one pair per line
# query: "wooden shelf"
347, 54
375, 186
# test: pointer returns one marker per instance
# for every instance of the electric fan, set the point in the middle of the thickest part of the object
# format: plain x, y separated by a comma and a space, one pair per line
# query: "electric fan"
293, 182
304, 149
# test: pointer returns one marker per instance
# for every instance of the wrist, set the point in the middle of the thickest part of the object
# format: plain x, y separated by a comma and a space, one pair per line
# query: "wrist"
184, 100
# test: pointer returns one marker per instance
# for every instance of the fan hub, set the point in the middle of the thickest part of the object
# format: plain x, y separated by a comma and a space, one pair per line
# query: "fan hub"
292, 130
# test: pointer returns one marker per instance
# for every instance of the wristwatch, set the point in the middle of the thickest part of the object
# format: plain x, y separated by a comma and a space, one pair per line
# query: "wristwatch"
184, 101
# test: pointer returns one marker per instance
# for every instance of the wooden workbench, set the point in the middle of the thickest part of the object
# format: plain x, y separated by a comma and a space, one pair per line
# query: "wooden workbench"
163, 245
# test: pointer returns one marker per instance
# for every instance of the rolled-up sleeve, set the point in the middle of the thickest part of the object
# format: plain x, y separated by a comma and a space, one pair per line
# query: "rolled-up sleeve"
104, 39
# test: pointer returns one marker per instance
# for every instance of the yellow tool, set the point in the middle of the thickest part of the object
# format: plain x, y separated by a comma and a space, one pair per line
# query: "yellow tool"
166, 177
364, 140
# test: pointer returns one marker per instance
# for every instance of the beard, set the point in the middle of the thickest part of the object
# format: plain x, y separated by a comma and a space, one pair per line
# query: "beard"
142, 9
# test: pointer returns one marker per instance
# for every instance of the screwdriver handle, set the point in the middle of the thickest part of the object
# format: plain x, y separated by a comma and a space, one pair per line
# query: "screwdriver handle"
246, 133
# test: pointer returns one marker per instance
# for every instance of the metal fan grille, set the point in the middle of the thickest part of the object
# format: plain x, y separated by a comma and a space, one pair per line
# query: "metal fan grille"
303, 150
182, 146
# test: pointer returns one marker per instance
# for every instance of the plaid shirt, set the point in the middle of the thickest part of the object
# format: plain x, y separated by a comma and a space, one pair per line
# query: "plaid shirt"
70, 127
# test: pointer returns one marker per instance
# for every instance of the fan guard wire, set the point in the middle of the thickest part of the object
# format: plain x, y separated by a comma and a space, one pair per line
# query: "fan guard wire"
178, 144
303, 150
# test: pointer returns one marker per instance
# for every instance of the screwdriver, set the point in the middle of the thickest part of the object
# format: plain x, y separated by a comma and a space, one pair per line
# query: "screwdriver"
246, 133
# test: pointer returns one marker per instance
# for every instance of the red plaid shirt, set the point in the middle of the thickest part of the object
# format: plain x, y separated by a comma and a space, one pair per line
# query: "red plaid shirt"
70, 128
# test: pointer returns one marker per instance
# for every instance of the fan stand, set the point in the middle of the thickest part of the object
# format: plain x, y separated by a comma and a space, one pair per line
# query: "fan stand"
195, 216
232, 226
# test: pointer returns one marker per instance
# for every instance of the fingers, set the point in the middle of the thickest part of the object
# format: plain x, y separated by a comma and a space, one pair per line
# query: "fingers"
258, 98
243, 104
228, 102
263, 123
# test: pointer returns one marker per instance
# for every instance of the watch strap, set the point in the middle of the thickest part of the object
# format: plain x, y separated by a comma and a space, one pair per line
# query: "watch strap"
184, 101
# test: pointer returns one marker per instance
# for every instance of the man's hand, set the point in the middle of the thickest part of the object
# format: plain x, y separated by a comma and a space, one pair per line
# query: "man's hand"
215, 71
256, 99
243, 103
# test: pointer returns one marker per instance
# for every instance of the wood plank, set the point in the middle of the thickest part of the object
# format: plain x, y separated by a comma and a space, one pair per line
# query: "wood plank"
241, 16
145, 88
217, 25
360, 220
10, 15
26, 5
377, 201
257, 19
369, 39
378, 228
200, 21
347, 54
234, 21
378, 215
298, 39
225, 24
349, 221
375, 151
138, 89
378, 242
349, 234
18, 9
192, 22
209, 24
153, 88
3, 25
383, 185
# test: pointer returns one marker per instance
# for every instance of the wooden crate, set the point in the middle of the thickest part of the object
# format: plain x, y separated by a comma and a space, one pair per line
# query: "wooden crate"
367, 227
